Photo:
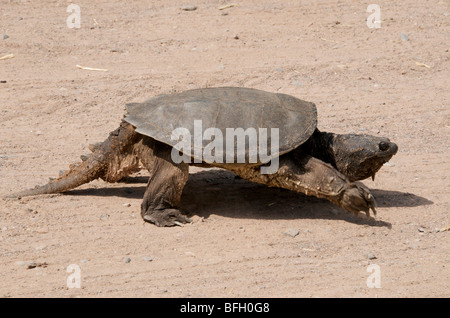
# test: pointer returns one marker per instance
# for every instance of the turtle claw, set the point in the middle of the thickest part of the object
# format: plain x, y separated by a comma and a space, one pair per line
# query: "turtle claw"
166, 217
356, 198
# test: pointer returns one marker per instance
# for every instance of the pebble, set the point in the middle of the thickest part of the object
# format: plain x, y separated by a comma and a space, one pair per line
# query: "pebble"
189, 7
404, 37
296, 83
147, 258
279, 69
5, 36
21, 263
127, 205
31, 265
236, 37
128, 260
292, 232
83, 261
421, 229
371, 256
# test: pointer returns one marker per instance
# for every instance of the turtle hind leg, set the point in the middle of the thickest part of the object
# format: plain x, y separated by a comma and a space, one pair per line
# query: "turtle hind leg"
120, 153
122, 156
160, 205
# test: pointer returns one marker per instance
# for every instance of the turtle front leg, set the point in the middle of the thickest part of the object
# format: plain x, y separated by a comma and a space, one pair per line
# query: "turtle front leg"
311, 176
165, 185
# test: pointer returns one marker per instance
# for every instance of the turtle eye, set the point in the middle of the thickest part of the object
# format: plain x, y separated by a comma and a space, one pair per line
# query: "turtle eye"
383, 146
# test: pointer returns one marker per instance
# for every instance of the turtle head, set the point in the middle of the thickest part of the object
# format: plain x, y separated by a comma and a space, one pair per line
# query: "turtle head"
361, 156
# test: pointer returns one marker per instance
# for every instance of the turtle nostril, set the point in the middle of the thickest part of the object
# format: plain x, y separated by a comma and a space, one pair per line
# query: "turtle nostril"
383, 146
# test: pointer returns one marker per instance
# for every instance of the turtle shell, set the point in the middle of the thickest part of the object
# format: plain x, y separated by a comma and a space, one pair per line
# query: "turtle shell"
226, 108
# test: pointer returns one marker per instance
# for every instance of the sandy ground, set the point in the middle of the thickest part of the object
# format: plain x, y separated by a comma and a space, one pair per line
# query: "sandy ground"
363, 80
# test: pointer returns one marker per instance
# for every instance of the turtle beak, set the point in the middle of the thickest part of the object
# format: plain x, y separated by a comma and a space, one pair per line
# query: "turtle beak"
387, 149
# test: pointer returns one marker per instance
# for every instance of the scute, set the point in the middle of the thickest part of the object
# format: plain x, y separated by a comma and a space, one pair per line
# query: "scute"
222, 108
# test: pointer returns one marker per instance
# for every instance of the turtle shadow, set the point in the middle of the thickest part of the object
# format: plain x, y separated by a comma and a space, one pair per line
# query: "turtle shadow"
391, 199
221, 192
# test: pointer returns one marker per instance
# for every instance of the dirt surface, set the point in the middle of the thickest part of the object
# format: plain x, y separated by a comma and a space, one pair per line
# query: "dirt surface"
391, 81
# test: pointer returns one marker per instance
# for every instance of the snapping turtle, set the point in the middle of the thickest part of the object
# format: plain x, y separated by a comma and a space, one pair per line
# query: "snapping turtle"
316, 163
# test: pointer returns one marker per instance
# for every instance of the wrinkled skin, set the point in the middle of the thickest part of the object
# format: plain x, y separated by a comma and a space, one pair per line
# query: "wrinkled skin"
326, 166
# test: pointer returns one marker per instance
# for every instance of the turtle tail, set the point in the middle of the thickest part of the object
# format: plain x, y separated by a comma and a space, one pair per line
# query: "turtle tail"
78, 174
105, 158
